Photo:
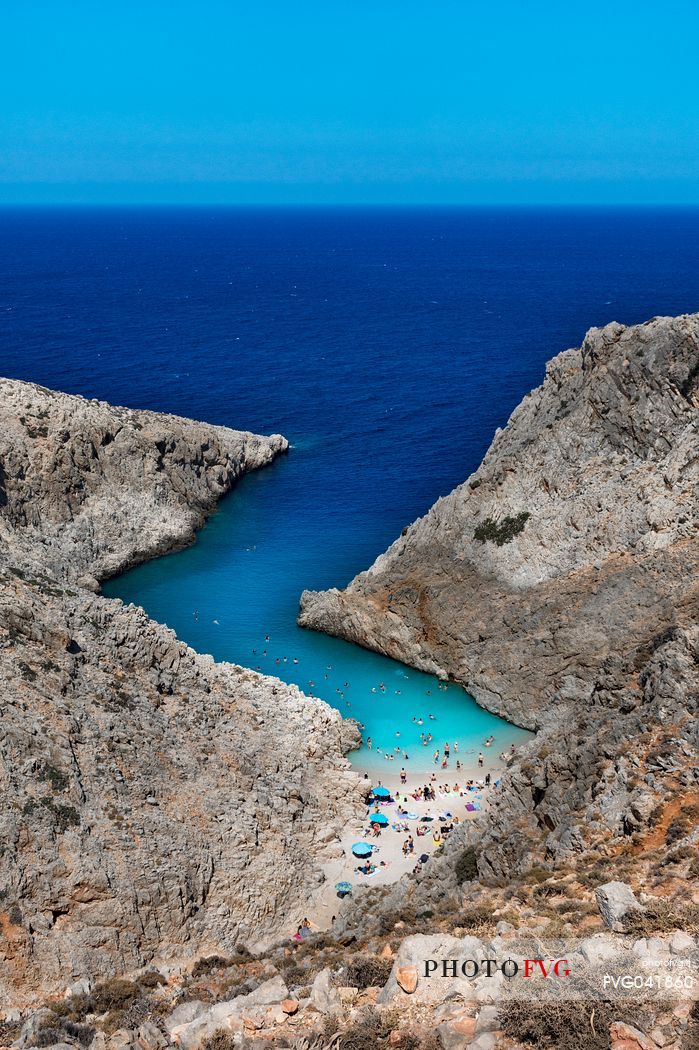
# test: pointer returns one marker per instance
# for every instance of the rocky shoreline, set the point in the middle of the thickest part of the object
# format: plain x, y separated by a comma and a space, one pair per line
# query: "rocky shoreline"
155, 804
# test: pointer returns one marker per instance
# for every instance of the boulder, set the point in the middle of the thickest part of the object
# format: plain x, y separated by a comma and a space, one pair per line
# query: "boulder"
406, 976
32, 1026
244, 1011
150, 1037
625, 1037
457, 1034
183, 1014
324, 996
615, 900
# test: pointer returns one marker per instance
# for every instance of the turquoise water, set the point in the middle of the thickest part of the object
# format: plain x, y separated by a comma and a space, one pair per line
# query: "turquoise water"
387, 344
241, 582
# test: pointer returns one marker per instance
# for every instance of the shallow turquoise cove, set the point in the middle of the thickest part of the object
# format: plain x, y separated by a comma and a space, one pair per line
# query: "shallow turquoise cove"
241, 582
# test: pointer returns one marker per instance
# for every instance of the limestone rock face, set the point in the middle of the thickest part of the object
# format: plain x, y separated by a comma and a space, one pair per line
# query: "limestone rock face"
89, 489
576, 538
616, 900
155, 805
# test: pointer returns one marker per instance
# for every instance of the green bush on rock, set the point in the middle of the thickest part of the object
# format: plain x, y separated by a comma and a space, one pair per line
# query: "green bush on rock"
501, 530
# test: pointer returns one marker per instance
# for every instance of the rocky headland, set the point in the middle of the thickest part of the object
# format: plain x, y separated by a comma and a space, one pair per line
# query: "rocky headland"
155, 804
575, 539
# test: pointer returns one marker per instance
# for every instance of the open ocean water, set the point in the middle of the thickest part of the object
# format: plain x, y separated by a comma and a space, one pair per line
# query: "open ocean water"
386, 344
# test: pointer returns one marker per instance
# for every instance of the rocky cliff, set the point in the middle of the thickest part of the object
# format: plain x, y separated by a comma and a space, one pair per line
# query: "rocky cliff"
155, 805
575, 540
560, 585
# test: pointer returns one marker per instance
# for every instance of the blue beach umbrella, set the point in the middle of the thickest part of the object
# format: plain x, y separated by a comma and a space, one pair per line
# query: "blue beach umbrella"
362, 849
378, 818
381, 792
344, 887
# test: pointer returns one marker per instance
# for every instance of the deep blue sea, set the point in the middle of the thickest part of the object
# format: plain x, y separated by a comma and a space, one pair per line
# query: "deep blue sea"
386, 344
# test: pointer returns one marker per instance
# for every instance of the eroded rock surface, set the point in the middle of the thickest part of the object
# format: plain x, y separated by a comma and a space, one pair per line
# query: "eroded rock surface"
155, 805
575, 540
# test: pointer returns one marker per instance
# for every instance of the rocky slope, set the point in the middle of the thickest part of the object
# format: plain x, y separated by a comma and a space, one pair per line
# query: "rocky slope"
155, 805
575, 539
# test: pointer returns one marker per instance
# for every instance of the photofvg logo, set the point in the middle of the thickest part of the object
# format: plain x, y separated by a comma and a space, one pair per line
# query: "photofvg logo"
600, 967
474, 969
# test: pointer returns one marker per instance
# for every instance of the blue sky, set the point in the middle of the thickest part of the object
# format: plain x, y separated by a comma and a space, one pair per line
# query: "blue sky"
381, 101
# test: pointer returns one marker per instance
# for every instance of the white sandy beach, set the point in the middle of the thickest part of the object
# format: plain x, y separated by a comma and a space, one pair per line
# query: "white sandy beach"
388, 857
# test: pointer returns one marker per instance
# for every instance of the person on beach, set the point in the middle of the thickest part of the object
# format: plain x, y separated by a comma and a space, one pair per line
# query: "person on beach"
403, 776
480, 758
447, 750
436, 757
487, 780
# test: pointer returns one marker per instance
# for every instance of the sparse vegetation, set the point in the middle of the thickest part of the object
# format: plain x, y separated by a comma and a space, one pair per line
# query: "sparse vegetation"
56, 778
222, 1039
466, 867
501, 530
368, 971
564, 1024
661, 915
208, 963
63, 817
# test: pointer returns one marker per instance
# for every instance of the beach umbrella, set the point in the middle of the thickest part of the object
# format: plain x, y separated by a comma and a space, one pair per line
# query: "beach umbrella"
344, 887
378, 818
381, 792
362, 849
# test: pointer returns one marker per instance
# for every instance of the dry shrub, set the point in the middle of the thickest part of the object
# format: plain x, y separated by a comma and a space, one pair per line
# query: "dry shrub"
661, 915
466, 867
113, 995
208, 963
367, 971
151, 979
222, 1039
564, 1025
9, 1031
63, 1030
475, 918
368, 1028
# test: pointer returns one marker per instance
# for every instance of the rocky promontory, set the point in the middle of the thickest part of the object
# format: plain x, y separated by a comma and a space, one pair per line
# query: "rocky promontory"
155, 805
574, 541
